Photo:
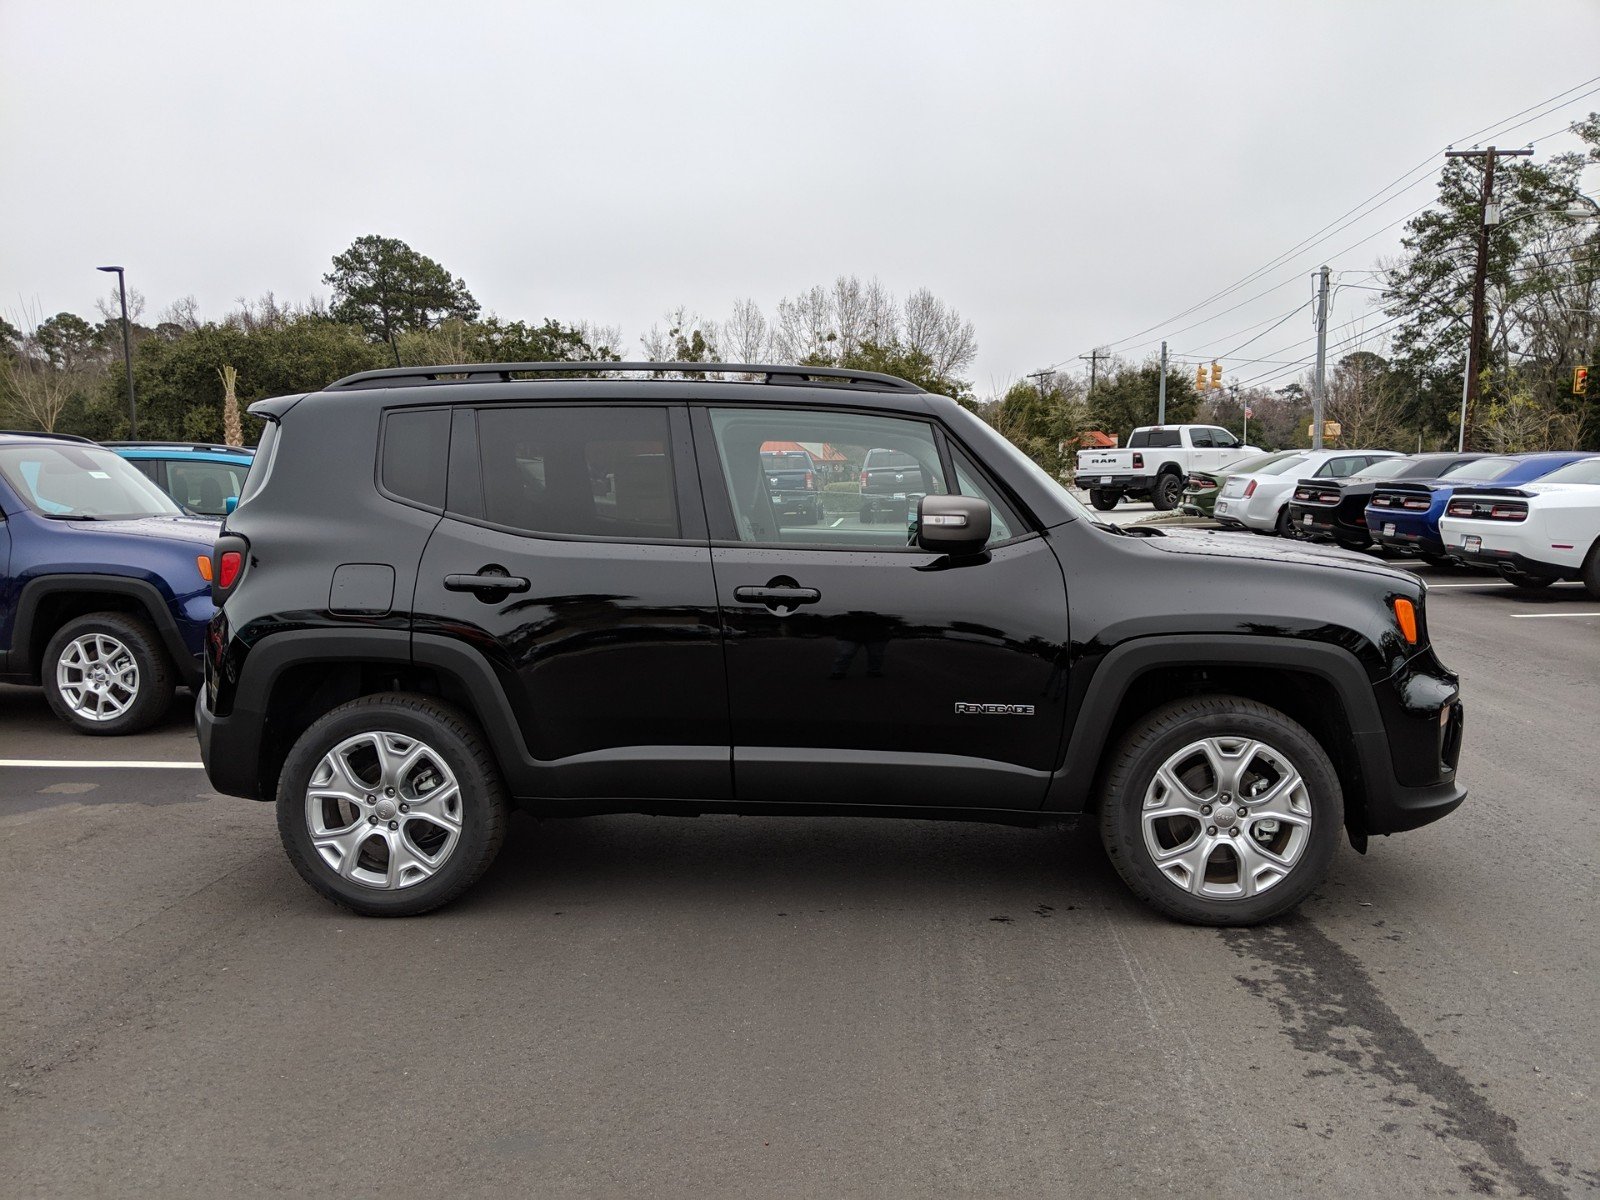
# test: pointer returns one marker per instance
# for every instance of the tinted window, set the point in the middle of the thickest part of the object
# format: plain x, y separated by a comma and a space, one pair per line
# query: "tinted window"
415, 445
1201, 439
1387, 468
589, 471
1221, 437
204, 487
892, 464
1343, 468
1483, 469
1155, 438
1584, 471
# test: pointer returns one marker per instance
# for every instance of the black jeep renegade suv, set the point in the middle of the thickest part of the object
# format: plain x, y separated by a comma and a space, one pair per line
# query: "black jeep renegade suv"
573, 595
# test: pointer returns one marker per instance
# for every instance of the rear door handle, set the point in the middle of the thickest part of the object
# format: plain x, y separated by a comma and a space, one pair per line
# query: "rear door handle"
485, 583
784, 596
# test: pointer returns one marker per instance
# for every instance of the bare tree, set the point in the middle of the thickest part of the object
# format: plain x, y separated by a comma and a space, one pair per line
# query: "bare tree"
183, 312
805, 329
746, 336
688, 337
33, 390
933, 328
110, 307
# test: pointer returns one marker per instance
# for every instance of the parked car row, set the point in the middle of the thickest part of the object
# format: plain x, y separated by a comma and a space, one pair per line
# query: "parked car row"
1534, 518
105, 570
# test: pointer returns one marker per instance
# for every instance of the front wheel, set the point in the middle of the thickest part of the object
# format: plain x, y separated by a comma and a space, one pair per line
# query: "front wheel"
391, 805
106, 674
1168, 491
1218, 810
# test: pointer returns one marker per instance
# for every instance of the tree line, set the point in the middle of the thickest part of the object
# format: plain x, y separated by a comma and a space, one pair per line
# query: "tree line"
391, 304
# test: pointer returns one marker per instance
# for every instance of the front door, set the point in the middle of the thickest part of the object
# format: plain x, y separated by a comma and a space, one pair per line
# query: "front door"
862, 670
605, 637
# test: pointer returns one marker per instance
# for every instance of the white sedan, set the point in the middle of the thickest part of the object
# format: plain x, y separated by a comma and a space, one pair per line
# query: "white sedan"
1260, 500
1534, 533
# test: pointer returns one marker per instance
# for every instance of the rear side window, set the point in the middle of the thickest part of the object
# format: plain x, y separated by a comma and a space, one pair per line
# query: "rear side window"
415, 455
587, 471
1155, 438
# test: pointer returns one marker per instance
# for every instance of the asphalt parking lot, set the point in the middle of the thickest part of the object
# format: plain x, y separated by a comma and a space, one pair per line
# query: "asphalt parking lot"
738, 1006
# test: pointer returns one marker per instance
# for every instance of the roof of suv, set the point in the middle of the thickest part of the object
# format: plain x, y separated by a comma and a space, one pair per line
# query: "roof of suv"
788, 375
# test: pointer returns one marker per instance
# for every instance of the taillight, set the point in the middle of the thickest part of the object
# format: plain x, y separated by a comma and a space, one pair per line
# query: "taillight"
1138, 462
1508, 512
227, 565
811, 481
863, 481
1381, 502
1459, 509
1302, 494
1196, 482
1250, 489
1416, 504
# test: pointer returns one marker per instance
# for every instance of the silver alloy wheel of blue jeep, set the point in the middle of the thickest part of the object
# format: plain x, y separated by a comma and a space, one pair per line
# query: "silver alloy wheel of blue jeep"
1226, 818
384, 810
97, 677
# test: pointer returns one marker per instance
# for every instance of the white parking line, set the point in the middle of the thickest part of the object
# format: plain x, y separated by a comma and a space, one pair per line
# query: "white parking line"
77, 764
837, 523
1537, 616
1434, 587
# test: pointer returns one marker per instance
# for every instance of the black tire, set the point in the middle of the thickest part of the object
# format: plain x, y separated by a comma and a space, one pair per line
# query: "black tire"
1168, 491
1591, 571
1524, 580
483, 805
153, 682
1284, 525
1104, 501
1442, 561
869, 516
1131, 771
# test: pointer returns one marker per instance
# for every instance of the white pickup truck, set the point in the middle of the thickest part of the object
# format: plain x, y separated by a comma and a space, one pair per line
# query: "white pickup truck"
1156, 463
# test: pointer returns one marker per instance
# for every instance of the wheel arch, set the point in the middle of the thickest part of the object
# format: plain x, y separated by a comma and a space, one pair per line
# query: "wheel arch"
50, 601
1323, 688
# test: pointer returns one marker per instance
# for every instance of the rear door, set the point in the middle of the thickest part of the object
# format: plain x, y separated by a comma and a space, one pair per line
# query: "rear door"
862, 670
605, 635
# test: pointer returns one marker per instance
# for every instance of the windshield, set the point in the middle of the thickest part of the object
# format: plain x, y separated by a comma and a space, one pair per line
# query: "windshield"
71, 482
1482, 469
1283, 466
1585, 470
1388, 468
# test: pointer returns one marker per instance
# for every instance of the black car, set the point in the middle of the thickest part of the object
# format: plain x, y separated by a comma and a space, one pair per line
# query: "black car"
1334, 510
891, 484
573, 596
792, 485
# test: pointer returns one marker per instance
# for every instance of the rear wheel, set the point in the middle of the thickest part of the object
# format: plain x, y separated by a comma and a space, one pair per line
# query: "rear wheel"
1220, 811
1102, 500
1168, 491
391, 805
1523, 579
1591, 571
107, 674
1284, 525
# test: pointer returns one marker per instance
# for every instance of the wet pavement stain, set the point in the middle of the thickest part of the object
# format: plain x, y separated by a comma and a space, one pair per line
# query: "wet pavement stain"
1330, 1007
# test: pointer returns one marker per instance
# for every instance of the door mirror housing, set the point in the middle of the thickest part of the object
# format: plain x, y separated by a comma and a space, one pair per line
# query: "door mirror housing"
953, 524
228, 505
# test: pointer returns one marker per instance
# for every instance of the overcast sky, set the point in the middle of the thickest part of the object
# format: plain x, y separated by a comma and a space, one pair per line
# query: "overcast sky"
1064, 174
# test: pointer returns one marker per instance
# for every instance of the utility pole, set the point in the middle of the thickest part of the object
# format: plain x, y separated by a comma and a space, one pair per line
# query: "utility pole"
1480, 276
1317, 380
1041, 376
1094, 357
1161, 403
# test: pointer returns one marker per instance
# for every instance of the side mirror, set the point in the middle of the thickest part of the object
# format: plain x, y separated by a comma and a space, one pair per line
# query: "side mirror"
228, 505
953, 524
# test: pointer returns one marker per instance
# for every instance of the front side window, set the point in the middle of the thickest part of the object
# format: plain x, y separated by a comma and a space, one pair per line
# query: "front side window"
1200, 439
1222, 438
588, 471
72, 482
204, 487
886, 464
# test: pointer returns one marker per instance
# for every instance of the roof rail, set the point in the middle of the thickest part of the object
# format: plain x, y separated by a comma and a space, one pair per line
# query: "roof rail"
215, 447
790, 375
39, 433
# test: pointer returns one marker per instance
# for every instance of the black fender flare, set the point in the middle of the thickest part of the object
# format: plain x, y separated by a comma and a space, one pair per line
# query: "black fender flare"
1071, 787
150, 599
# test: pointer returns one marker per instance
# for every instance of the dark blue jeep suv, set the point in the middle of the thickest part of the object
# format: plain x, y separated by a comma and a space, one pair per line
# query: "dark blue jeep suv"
103, 599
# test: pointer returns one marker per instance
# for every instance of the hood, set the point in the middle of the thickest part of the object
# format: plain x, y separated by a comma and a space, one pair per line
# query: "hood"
182, 531
1253, 548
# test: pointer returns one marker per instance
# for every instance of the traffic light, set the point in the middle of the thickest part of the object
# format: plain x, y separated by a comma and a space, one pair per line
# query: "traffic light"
1580, 381
1216, 374
1200, 378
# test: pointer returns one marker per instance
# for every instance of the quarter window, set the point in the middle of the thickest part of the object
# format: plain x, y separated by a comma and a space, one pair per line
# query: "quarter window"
415, 445
583, 471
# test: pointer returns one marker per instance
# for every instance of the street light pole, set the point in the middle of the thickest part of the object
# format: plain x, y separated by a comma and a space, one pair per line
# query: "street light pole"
127, 352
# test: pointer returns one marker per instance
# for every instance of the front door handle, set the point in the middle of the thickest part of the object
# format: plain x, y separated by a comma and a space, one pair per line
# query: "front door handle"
783, 597
485, 582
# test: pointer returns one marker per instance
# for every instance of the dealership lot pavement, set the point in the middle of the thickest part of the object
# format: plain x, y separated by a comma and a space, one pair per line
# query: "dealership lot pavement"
638, 1006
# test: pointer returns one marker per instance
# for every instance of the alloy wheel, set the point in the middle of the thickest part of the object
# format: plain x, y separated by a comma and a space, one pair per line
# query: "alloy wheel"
97, 677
